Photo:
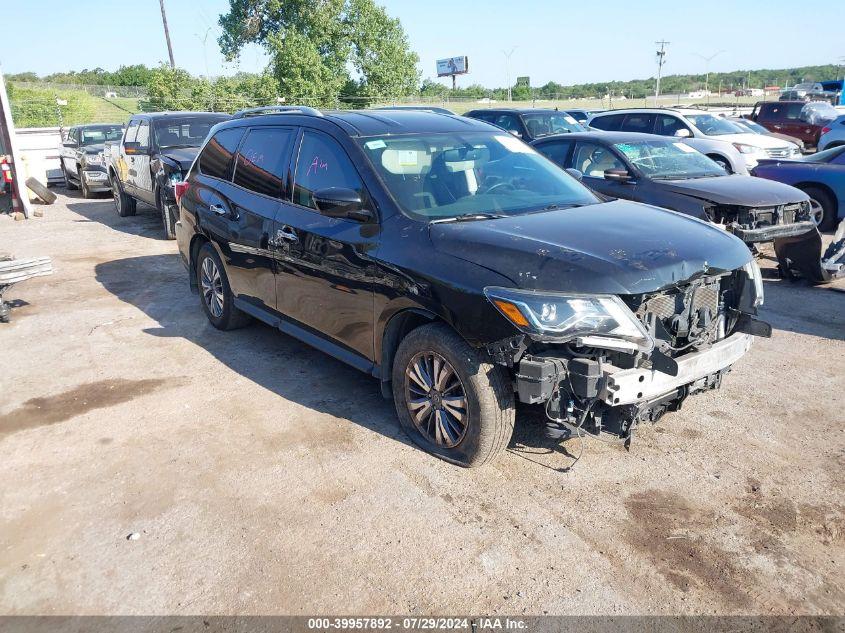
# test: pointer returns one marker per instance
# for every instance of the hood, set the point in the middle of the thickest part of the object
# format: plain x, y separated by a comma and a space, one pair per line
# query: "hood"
744, 191
757, 140
96, 148
183, 155
617, 247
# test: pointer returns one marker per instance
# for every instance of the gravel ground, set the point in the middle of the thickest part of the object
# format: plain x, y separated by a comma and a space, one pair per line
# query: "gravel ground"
261, 476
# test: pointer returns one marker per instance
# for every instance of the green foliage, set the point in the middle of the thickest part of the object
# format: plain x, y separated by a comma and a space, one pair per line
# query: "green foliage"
176, 89
135, 75
313, 44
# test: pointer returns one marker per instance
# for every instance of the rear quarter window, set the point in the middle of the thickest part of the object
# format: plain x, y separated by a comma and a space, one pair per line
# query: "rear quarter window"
611, 122
217, 156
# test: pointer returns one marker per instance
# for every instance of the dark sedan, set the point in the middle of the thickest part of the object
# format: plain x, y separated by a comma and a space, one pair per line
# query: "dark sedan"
668, 173
821, 176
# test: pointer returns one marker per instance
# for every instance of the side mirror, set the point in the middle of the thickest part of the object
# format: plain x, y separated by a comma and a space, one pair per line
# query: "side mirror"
576, 174
617, 175
132, 148
516, 133
683, 133
339, 202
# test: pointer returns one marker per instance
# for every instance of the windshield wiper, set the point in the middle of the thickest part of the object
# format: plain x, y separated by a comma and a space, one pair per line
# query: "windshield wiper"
569, 205
469, 218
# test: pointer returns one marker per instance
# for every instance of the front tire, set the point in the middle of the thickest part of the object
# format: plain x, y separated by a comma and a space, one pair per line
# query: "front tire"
86, 190
722, 162
166, 218
68, 184
215, 293
822, 208
450, 399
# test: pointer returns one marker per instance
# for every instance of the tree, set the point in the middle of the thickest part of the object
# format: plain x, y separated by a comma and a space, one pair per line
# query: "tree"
313, 44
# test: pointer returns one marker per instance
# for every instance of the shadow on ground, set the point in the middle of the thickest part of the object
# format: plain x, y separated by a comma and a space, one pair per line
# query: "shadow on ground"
145, 223
158, 285
797, 306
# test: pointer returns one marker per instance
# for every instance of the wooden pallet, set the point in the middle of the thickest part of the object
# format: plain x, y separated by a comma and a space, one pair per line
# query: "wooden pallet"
13, 271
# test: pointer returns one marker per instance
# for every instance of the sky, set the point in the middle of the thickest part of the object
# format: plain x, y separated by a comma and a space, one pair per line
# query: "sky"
552, 40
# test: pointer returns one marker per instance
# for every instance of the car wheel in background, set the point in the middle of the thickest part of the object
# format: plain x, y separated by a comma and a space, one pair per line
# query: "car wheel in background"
215, 294
450, 399
68, 184
124, 204
822, 207
166, 217
722, 162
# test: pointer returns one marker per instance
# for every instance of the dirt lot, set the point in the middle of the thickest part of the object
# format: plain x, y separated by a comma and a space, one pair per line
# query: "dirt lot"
264, 477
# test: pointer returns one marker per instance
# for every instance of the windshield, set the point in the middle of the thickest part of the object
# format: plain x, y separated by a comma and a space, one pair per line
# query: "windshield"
545, 123
451, 175
101, 134
184, 132
823, 157
665, 160
713, 125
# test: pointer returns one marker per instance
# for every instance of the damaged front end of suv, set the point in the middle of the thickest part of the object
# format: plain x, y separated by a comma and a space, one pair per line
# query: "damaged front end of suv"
602, 364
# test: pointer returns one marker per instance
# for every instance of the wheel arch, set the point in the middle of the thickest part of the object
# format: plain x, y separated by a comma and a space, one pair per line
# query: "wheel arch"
197, 242
814, 184
398, 326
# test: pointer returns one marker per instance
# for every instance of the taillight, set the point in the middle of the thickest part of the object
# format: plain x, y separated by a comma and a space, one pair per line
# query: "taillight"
6, 168
179, 189
825, 130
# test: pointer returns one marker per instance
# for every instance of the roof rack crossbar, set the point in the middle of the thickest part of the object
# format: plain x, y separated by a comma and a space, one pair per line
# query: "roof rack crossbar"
276, 109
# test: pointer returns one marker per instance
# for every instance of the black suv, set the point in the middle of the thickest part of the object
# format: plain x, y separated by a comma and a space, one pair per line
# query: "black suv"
463, 270
529, 124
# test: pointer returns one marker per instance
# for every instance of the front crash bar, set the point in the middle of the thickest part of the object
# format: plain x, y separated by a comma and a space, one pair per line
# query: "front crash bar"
629, 386
769, 233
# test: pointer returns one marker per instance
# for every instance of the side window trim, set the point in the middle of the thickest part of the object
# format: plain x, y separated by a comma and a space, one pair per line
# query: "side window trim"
295, 161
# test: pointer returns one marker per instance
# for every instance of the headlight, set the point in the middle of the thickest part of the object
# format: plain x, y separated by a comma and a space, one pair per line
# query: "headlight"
94, 159
175, 176
752, 269
748, 149
595, 320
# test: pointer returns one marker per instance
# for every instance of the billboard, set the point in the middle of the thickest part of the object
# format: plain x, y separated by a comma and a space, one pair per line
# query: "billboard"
452, 66
523, 82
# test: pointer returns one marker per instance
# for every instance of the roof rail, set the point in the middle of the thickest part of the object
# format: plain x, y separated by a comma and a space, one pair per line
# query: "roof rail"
276, 109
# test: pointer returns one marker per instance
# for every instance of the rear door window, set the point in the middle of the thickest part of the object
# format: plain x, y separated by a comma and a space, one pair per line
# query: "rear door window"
637, 122
218, 155
262, 161
611, 122
557, 152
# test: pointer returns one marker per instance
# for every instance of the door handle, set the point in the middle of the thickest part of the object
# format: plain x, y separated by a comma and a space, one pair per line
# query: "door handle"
217, 209
287, 234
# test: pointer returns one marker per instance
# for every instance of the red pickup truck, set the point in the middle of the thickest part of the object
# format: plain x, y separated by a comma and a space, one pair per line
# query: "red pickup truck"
787, 117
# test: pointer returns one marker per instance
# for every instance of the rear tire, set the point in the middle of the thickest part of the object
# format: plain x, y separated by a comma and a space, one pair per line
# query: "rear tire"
215, 293
124, 204
821, 202
480, 424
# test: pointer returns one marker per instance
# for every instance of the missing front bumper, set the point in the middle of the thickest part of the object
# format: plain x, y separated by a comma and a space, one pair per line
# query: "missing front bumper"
630, 386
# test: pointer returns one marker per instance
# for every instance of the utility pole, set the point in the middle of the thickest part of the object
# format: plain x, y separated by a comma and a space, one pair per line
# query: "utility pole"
707, 61
167, 35
508, 69
661, 59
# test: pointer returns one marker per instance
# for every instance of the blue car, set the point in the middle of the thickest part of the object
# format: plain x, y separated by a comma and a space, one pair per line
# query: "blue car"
821, 176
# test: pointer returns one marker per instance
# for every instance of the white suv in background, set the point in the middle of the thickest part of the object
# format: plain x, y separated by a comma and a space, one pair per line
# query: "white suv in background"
725, 142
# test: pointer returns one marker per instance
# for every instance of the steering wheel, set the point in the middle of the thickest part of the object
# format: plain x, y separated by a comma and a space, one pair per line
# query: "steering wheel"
499, 185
